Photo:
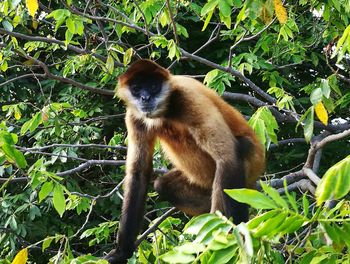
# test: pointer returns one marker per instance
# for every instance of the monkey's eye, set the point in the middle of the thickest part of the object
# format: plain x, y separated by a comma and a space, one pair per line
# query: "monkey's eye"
135, 88
154, 88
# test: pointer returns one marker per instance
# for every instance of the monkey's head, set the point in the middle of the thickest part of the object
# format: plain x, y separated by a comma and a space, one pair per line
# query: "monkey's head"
144, 87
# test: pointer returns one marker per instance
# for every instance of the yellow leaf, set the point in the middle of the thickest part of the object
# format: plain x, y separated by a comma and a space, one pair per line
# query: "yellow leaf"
281, 12
32, 6
21, 257
321, 113
265, 14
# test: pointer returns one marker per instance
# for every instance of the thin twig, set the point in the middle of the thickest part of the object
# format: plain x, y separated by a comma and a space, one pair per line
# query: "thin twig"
154, 226
74, 146
89, 163
173, 22
29, 75
56, 41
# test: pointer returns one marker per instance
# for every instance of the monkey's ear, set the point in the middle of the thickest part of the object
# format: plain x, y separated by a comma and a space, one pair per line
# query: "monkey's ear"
144, 67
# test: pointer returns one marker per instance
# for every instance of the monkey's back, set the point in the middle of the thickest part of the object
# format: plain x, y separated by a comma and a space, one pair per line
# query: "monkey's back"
205, 102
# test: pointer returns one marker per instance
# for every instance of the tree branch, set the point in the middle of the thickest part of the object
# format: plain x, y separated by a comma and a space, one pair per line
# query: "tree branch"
75, 146
65, 80
287, 142
56, 41
235, 73
172, 22
89, 163
304, 185
154, 226
30, 75
318, 144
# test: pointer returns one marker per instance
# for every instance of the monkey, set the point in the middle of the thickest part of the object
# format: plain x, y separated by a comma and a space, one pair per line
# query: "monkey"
208, 142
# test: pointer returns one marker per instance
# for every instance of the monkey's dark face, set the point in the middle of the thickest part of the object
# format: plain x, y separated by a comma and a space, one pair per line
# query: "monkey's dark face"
148, 94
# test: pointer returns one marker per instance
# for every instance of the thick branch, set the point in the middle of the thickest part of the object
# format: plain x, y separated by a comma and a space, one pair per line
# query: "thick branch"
287, 142
304, 185
315, 146
289, 178
14, 180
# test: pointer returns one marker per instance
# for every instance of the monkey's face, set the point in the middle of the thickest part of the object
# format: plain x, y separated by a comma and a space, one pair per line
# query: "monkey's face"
148, 94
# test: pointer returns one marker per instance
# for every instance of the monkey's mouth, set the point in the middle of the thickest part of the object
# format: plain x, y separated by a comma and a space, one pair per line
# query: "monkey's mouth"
147, 109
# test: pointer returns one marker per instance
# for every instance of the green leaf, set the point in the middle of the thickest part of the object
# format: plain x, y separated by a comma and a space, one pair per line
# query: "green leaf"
269, 227
110, 64
173, 49
127, 56
70, 25
209, 7
175, 256
35, 121
256, 221
4, 66
223, 255
191, 248
333, 83
68, 36
254, 198
306, 205
242, 14
19, 159
273, 193
209, 77
290, 197
341, 40
225, 8
7, 138
326, 90
335, 184
207, 20
290, 224
59, 201
45, 190
264, 125
316, 96
79, 27
25, 127
46, 243
309, 125
196, 224
336, 4
294, 225
164, 18
205, 234
12, 155
7, 25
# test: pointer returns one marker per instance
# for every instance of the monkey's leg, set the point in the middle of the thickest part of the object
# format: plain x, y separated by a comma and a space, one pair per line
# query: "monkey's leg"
175, 188
232, 178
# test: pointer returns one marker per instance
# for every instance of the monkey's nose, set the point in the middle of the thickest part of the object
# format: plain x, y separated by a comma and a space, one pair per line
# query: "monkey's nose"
145, 98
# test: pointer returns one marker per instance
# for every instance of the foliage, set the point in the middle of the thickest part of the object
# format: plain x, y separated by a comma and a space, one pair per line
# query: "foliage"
62, 136
282, 224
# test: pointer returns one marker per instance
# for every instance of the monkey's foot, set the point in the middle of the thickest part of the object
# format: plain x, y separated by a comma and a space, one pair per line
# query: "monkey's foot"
116, 257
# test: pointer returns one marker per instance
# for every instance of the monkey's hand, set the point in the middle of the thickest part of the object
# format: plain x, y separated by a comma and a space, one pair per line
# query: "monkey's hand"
116, 256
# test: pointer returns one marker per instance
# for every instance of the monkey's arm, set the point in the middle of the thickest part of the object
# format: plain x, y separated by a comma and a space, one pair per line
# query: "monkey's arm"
216, 138
138, 172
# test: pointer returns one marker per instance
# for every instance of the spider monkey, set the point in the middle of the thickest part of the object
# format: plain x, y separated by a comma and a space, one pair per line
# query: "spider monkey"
208, 142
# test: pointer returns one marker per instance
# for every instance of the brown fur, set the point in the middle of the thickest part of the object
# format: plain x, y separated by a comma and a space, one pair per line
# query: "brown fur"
201, 135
